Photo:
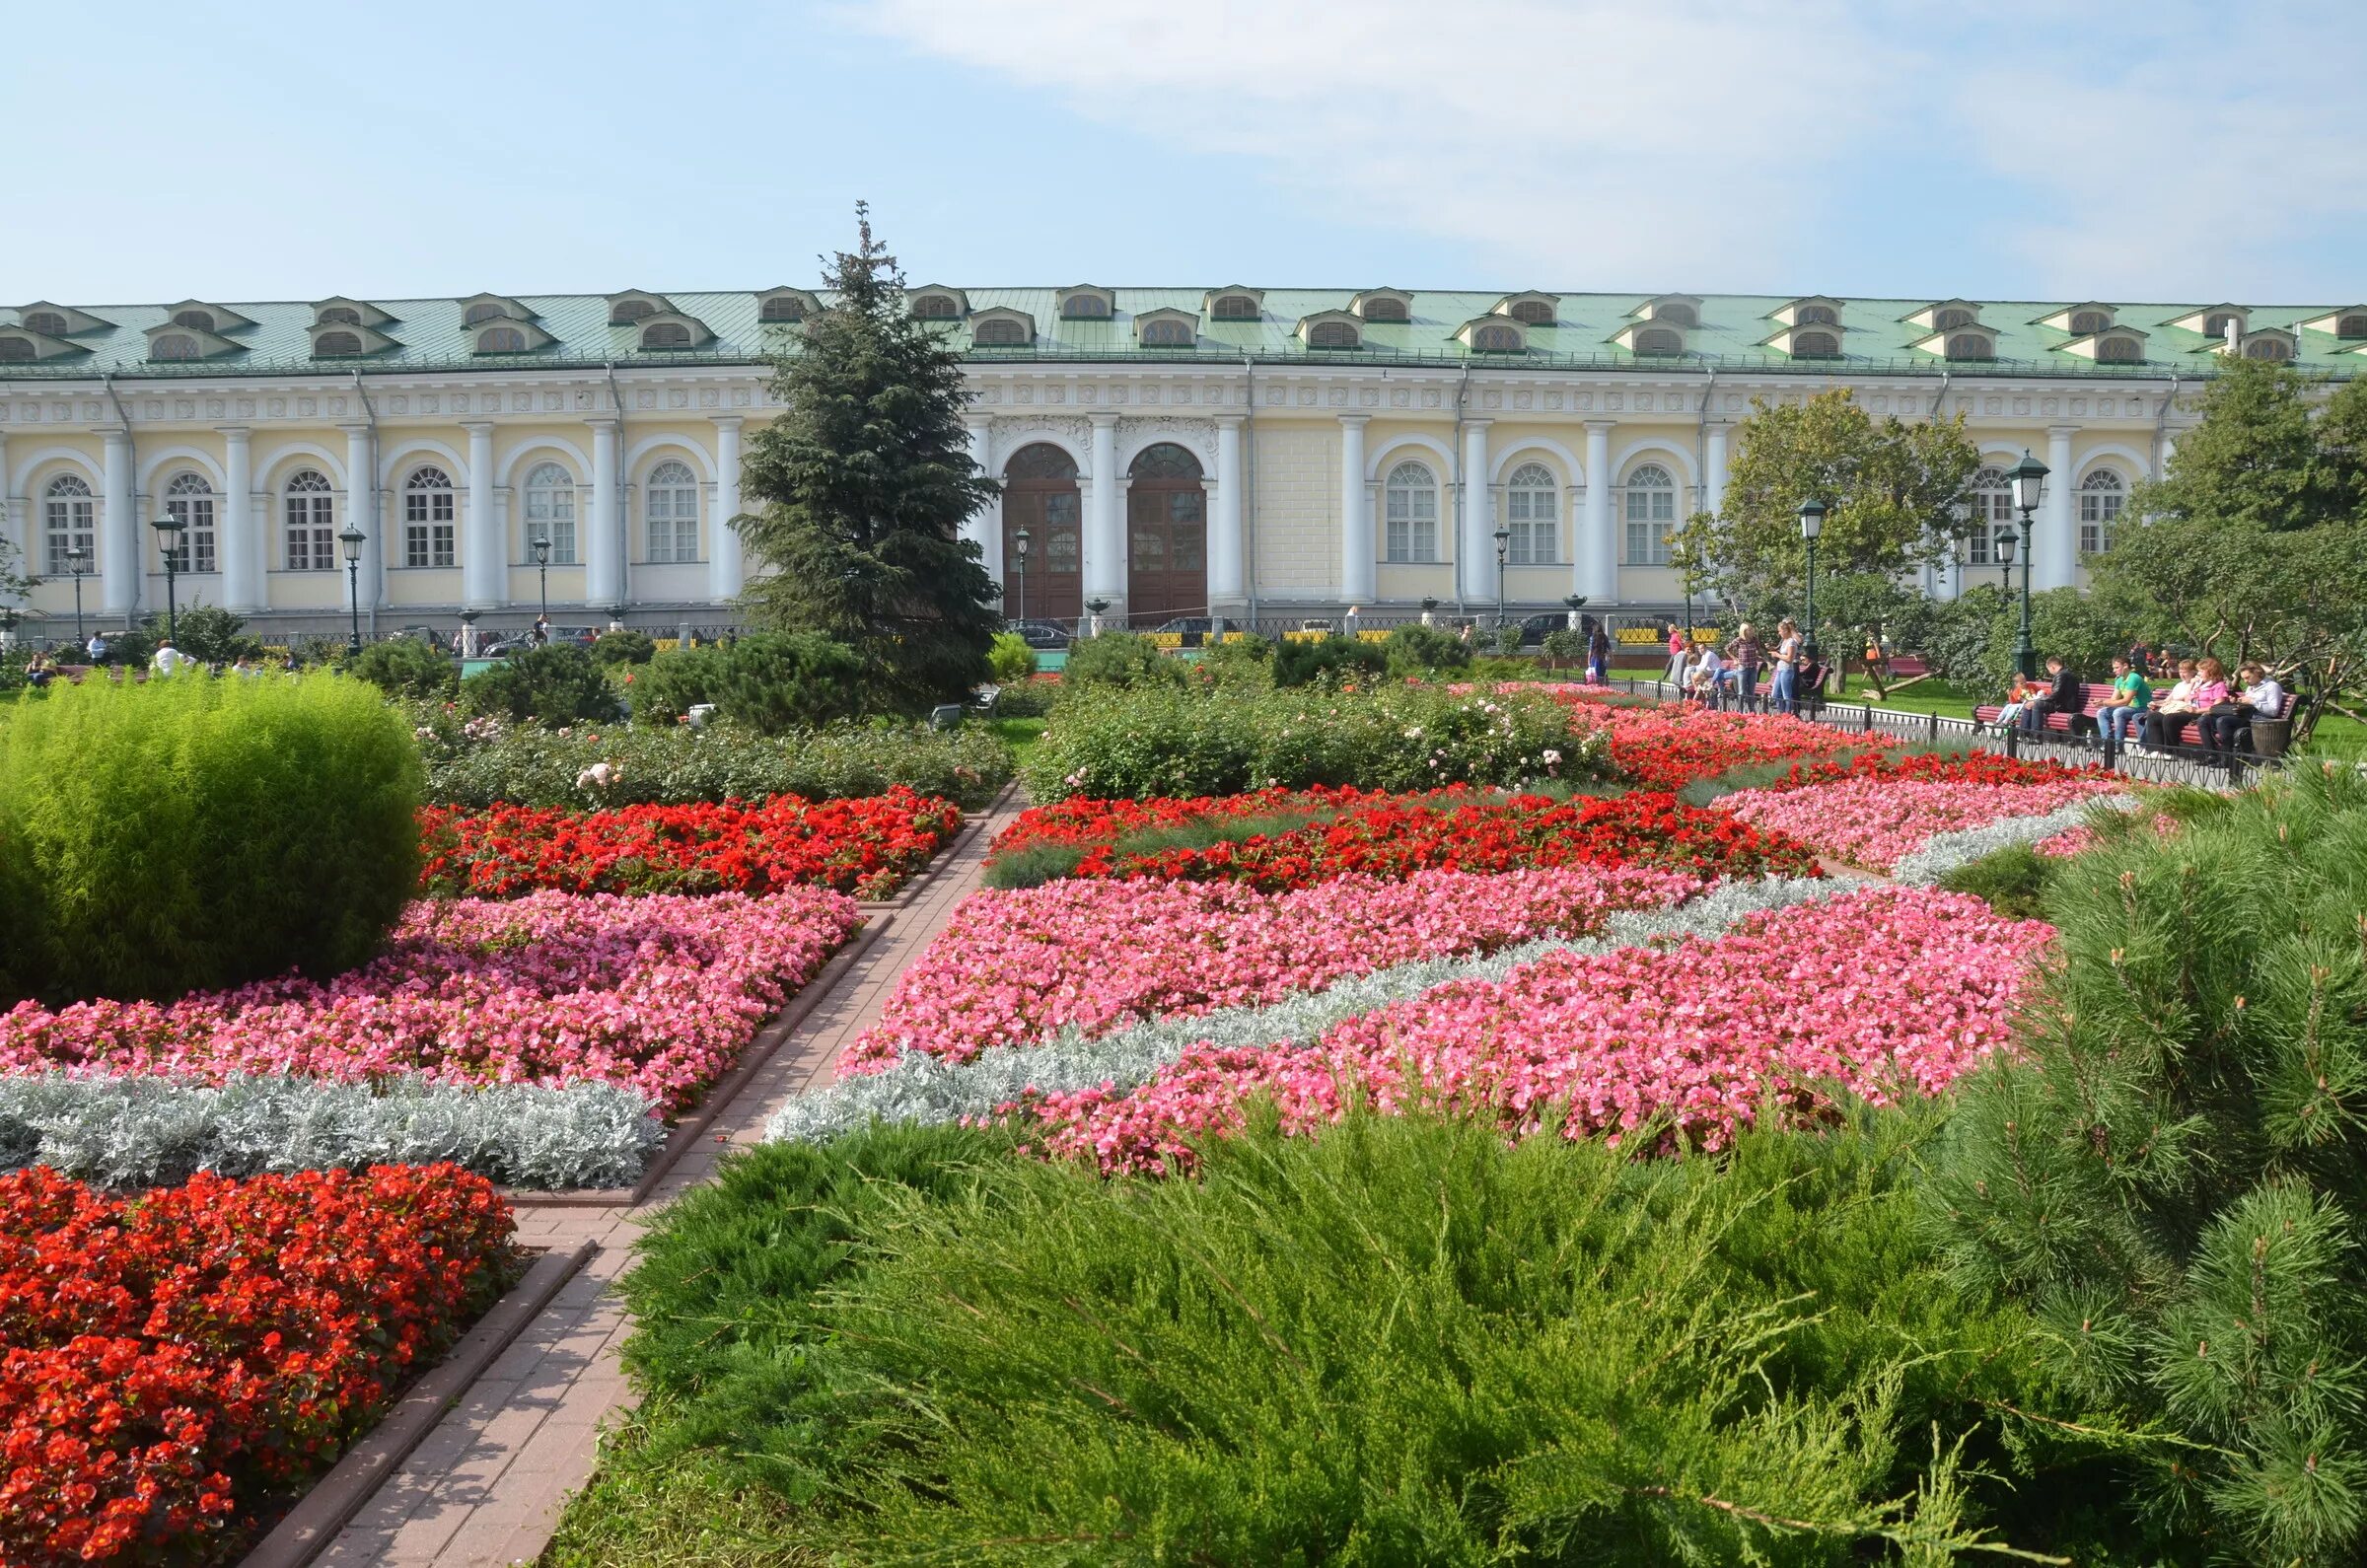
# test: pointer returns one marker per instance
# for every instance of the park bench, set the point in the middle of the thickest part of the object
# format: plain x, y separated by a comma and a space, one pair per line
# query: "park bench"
2096, 695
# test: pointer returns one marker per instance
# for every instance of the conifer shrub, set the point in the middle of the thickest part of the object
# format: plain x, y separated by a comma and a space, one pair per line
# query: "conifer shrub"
1121, 659
554, 686
1010, 658
1335, 659
2175, 1176
626, 647
2012, 881
200, 833
1418, 649
405, 666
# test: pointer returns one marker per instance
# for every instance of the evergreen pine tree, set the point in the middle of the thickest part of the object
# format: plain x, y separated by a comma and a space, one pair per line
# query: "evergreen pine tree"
2175, 1172
862, 486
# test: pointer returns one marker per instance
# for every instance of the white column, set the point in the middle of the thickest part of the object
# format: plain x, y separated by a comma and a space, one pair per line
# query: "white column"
1713, 473
1478, 549
725, 570
242, 544
1104, 539
484, 560
1224, 582
1597, 572
361, 510
984, 526
121, 558
1359, 562
604, 555
2057, 543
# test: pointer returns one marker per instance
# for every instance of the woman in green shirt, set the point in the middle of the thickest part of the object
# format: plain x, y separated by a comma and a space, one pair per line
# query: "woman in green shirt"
2132, 695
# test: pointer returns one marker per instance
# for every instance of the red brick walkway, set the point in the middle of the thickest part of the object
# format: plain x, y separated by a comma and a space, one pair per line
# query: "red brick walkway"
487, 1485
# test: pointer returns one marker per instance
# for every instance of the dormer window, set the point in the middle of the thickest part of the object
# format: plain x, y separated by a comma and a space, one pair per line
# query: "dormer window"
1678, 314
939, 305
336, 345
1529, 310
2087, 323
1493, 335
501, 340
786, 305
1086, 305
50, 321
203, 321
1166, 328
484, 310
21, 345
173, 345
1382, 305
1002, 328
2217, 322
1970, 345
1233, 306
1818, 315
1818, 310
634, 305
666, 335
2119, 348
2355, 325
2269, 345
1949, 320
672, 329
631, 310
340, 315
1658, 340
1816, 345
1333, 329
15, 350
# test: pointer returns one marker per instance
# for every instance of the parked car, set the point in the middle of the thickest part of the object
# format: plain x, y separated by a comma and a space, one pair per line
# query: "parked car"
428, 636
1192, 631
1044, 636
521, 641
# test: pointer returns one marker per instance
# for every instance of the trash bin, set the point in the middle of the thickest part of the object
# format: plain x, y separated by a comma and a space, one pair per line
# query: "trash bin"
2269, 737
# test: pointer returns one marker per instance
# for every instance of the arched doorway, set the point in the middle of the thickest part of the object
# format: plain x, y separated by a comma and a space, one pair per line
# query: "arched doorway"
1167, 537
1039, 494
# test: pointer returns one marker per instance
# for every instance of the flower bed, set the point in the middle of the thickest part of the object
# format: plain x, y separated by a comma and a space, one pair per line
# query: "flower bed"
657, 993
1012, 967
1380, 834
174, 1366
867, 847
1669, 746
1887, 991
1875, 818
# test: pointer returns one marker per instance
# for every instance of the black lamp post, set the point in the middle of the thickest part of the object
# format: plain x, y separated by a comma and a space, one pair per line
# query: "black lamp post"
78, 561
1020, 540
1812, 523
540, 545
1503, 555
2003, 544
2029, 478
352, 538
169, 529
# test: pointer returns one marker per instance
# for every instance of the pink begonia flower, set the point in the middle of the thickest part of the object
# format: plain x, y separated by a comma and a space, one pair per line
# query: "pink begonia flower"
1876, 822
1888, 992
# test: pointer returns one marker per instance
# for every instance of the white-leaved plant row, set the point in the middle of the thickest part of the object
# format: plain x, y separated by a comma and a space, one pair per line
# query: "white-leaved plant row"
925, 1089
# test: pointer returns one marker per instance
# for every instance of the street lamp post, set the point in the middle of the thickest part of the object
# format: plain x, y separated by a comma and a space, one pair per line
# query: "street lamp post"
78, 561
1503, 555
352, 538
169, 529
2003, 544
1022, 539
541, 545
2029, 478
1812, 523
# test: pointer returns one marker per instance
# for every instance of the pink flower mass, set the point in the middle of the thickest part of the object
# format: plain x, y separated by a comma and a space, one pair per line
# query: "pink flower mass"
1874, 823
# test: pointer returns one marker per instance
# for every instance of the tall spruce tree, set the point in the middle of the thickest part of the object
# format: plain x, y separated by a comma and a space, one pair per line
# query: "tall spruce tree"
862, 487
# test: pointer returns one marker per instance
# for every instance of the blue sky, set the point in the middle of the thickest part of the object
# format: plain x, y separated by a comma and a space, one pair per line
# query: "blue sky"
1991, 148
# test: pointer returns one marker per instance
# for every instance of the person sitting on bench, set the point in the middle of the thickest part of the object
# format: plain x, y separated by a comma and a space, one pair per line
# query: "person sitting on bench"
2066, 694
2263, 699
2165, 726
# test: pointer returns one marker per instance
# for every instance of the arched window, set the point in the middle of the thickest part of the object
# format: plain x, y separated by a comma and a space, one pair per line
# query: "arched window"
550, 511
340, 315
666, 334
935, 308
1651, 513
1815, 345
1816, 316
2267, 348
1658, 340
1167, 334
310, 511
1991, 516
1411, 506
1235, 307
1330, 334
484, 310
331, 345
190, 500
46, 322
1085, 308
15, 350
1496, 340
2345, 327
1385, 311
2216, 324
174, 345
1166, 535
500, 340
2100, 496
1532, 516
670, 506
1968, 345
203, 321
2085, 322
1536, 312
1950, 320
1000, 331
1679, 313
628, 311
67, 514
427, 519
782, 308
1040, 499
2116, 351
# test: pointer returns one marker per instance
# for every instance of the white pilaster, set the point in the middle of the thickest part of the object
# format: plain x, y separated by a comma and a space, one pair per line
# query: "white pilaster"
1105, 539
1359, 562
984, 526
2057, 543
242, 544
725, 570
121, 559
1225, 580
1478, 548
1713, 469
1597, 572
484, 561
361, 510
604, 556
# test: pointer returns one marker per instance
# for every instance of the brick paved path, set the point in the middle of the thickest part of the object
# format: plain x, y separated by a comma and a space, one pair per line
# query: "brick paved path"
487, 1485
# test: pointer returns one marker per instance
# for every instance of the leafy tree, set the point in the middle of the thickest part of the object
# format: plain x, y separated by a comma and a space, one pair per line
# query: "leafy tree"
1894, 492
2261, 457
213, 634
862, 486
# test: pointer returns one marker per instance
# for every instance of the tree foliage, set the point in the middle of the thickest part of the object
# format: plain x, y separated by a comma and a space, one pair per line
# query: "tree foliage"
862, 486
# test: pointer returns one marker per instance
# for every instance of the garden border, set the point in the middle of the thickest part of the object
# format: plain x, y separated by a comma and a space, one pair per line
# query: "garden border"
973, 823
693, 1128
308, 1529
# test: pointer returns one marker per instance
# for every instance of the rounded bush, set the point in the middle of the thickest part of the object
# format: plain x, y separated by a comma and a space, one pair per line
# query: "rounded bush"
200, 833
1121, 659
405, 666
555, 687
1010, 658
627, 647
778, 681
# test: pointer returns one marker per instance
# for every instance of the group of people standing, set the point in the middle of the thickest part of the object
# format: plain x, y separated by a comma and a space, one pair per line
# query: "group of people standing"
1710, 676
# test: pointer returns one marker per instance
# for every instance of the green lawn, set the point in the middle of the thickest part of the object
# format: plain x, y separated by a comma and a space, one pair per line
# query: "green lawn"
1020, 734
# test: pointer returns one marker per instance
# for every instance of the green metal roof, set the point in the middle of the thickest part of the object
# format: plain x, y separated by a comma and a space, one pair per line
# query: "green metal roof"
1876, 342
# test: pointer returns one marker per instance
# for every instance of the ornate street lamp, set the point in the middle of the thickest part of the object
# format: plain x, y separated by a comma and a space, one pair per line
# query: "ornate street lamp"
78, 561
169, 529
1022, 539
539, 543
2003, 544
1812, 523
352, 538
2029, 478
1503, 553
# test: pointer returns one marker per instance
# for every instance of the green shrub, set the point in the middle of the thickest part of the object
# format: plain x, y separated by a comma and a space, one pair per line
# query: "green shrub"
2013, 880
1562, 646
670, 685
1010, 658
626, 647
405, 666
1121, 659
775, 682
1027, 700
1301, 664
1227, 739
1244, 660
533, 766
555, 687
1418, 649
211, 635
194, 834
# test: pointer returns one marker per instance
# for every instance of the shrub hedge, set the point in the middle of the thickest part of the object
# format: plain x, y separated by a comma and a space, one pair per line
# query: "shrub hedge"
200, 833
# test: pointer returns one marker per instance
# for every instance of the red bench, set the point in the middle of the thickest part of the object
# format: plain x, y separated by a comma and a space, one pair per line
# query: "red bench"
2097, 694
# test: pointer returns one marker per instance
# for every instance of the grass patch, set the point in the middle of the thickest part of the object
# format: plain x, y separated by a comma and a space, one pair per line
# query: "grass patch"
1020, 734
2012, 881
